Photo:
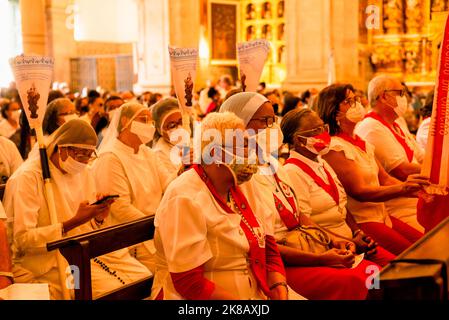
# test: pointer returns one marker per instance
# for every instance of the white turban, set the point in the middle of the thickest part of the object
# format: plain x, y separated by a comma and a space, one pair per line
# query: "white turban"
244, 105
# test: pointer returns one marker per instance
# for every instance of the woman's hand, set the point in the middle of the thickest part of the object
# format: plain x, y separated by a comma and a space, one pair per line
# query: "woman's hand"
338, 257
279, 293
365, 244
413, 185
344, 245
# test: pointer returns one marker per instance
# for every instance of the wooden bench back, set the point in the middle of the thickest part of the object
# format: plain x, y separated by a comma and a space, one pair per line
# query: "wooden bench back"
79, 250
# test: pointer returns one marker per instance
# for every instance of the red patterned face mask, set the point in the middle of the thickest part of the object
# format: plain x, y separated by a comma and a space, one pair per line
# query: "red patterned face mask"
319, 144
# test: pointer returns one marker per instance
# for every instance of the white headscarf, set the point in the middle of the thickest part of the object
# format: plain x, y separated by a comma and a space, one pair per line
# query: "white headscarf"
128, 110
244, 105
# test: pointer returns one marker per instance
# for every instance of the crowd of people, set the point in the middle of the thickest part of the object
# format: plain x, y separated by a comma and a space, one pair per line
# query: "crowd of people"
327, 196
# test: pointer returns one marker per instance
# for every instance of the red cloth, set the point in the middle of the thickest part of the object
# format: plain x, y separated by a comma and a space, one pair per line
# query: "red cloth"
382, 257
274, 260
431, 214
395, 239
211, 108
192, 285
357, 141
326, 283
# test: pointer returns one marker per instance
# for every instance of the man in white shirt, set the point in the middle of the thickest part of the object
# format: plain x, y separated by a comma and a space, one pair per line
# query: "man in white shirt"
395, 148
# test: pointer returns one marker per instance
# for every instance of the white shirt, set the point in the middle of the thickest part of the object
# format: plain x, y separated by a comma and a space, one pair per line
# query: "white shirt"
10, 158
193, 230
138, 179
163, 152
6, 129
314, 201
423, 133
391, 154
366, 162
387, 148
29, 224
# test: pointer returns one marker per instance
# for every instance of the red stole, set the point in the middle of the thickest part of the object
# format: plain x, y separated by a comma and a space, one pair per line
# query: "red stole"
357, 141
330, 188
409, 151
257, 255
288, 217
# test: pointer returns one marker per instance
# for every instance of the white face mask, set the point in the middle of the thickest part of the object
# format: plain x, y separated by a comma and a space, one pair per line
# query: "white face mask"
356, 113
402, 106
270, 140
241, 169
144, 131
69, 117
319, 145
71, 166
16, 115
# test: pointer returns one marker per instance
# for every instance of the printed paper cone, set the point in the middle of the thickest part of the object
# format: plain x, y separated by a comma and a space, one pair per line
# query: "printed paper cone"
33, 75
252, 56
436, 163
183, 67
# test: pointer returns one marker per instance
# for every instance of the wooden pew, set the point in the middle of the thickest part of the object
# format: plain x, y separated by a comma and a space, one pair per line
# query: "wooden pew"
419, 273
79, 250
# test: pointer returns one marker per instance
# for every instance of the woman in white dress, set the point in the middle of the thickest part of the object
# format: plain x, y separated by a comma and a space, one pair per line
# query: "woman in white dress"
367, 184
128, 168
10, 159
69, 150
167, 118
211, 231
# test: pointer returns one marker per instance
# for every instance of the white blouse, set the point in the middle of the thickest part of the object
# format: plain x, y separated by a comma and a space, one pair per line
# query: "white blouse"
192, 229
315, 201
366, 162
163, 152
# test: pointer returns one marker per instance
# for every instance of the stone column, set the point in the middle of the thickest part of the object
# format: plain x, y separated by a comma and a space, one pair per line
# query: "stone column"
61, 42
34, 33
151, 51
313, 29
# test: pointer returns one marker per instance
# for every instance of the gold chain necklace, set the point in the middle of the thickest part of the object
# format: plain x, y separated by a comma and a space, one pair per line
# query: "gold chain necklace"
258, 234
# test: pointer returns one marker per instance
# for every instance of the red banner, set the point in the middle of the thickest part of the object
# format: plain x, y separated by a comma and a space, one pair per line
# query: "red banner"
436, 162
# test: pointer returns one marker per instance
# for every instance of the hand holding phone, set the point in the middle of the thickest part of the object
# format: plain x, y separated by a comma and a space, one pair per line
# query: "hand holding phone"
104, 199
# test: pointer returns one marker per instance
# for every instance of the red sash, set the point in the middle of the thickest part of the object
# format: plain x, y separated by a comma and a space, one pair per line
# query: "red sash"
256, 255
287, 216
409, 151
357, 141
330, 188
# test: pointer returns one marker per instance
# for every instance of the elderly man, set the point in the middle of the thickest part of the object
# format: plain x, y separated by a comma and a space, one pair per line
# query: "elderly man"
395, 148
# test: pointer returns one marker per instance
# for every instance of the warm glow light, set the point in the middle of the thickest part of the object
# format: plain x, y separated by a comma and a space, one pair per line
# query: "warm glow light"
203, 49
11, 45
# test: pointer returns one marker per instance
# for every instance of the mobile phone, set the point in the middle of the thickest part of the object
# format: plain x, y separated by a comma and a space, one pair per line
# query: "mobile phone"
103, 200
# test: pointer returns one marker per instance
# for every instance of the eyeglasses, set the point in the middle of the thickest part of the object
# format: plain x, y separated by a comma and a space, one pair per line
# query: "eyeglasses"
351, 101
87, 156
144, 119
398, 92
173, 125
314, 132
268, 121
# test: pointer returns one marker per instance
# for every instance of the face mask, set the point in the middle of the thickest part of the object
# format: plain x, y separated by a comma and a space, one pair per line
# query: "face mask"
402, 105
356, 113
270, 140
71, 166
242, 169
16, 115
319, 144
69, 117
144, 131
172, 137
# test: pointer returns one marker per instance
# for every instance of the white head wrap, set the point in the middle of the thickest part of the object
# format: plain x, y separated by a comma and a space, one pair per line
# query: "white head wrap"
75, 133
128, 110
244, 105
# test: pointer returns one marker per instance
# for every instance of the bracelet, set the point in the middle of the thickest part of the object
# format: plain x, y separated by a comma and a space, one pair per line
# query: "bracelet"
98, 223
278, 284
